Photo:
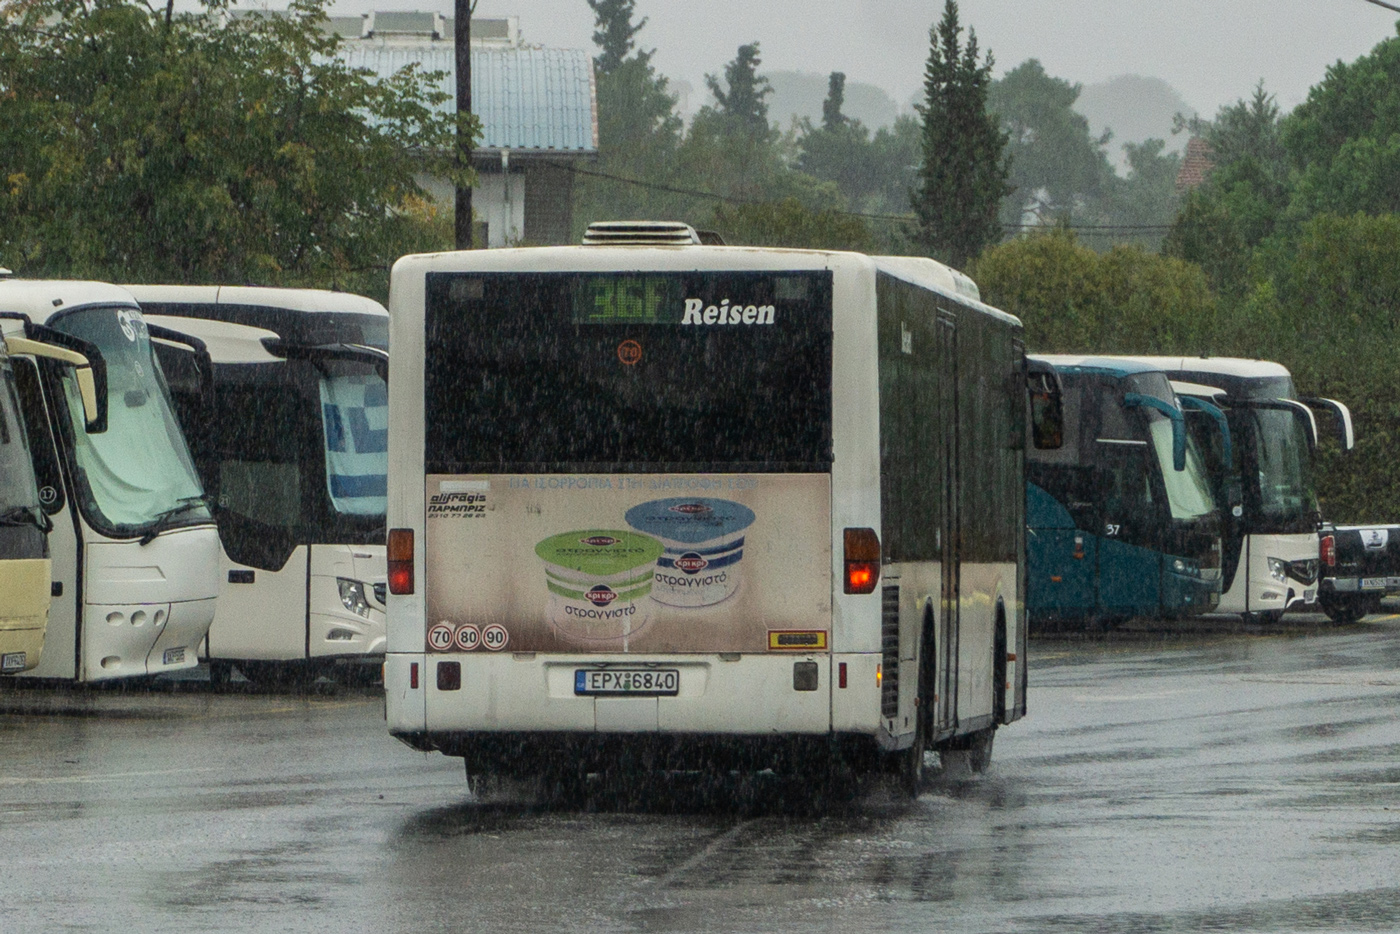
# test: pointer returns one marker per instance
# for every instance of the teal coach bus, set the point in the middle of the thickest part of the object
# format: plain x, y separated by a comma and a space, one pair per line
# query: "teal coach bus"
1121, 519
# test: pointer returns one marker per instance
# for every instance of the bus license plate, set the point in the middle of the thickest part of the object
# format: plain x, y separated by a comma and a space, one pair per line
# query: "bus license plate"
1373, 583
12, 661
645, 682
173, 656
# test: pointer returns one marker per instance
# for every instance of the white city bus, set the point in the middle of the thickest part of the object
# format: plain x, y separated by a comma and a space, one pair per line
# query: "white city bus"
134, 549
294, 454
1268, 503
656, 501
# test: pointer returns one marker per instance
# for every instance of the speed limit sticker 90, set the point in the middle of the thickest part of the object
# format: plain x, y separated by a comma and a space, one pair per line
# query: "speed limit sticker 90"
495, 637
440, 637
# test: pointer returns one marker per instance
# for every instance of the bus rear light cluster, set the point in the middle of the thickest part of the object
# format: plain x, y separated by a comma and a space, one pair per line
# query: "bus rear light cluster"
400, 554
862, 547
1329, 550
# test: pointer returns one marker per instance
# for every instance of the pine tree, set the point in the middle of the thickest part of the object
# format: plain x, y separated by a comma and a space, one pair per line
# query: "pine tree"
614, 33
743, 105
638, 128
963, 175
832, 117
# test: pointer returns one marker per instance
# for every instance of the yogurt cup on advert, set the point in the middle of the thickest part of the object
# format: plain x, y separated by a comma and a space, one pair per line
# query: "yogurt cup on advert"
600, 582
704, 541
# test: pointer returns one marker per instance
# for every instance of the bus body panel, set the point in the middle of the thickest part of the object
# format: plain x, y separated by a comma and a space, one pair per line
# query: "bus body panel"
60, 659
1256, 591
511, 692
855, 466
25, 586
264, 621
146, 608
405, 693
335, 630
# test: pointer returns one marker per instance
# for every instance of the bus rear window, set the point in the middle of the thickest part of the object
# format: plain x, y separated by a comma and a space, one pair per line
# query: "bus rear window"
576, 372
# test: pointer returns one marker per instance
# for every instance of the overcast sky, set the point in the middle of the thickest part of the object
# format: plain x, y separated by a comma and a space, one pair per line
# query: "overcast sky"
1212, 51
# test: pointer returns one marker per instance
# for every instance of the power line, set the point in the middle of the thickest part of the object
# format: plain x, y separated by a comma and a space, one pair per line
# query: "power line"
1388, 6
730, 199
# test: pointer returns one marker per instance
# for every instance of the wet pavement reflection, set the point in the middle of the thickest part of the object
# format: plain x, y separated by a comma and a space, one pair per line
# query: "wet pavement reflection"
1217, 780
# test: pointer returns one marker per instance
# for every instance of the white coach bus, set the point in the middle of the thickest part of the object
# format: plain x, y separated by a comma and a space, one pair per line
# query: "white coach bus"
1268, 501
292, 448
656, 501
133, 546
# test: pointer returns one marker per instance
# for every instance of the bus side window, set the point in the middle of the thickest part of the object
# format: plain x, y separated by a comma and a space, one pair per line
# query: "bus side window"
41, 446
1047, 419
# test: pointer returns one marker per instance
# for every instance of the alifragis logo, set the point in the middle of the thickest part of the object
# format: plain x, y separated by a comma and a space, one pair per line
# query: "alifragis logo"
601, 595
691, 563
691, 509
600, 541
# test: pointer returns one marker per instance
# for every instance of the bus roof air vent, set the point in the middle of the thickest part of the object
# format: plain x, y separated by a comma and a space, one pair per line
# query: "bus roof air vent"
640, 233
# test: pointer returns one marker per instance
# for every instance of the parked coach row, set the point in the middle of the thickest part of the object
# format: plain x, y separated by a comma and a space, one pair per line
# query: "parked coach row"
205, 482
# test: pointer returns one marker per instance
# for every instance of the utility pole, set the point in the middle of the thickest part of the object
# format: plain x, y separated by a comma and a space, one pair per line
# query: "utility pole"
462, 36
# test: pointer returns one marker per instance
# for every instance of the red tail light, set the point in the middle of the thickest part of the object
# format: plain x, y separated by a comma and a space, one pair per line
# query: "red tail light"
400, 561
862, 560
1329, 550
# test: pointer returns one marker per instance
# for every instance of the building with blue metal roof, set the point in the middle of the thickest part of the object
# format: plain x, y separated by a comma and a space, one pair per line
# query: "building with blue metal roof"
538, 109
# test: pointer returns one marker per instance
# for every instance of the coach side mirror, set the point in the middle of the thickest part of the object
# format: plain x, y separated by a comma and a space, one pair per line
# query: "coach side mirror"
1047, 406
89, 370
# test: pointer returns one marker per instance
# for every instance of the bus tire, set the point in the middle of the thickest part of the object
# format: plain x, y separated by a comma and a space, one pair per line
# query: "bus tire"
912, 774
1346, 610
220, 673
970, 753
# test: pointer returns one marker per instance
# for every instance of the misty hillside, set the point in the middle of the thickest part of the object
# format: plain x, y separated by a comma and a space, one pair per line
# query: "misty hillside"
1135, 108
802, 93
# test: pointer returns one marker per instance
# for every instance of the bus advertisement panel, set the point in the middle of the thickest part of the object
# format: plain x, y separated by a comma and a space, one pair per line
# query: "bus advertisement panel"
621, 563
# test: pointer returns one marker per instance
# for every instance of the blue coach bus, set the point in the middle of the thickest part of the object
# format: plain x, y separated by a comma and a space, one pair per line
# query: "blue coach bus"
1120, 516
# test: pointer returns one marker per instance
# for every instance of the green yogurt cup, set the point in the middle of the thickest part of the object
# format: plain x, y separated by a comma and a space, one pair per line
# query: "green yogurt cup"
599, 583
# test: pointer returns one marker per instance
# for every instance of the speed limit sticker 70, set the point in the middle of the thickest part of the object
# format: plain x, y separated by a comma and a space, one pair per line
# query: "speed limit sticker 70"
440, 637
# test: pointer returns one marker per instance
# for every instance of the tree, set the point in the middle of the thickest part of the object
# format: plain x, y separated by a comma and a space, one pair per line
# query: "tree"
639, 132
1074, 300
1221, 223
962, 179
1344, 140
832, 117
1058, 170
202, 150
838, 149
614, 33
742, 104
789, 223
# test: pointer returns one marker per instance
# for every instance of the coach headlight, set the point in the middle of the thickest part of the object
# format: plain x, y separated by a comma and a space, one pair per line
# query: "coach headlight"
1278, 570
352, 594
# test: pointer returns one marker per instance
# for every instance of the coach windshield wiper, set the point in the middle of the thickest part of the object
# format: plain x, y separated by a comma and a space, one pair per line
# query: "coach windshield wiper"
27, 515
162, 520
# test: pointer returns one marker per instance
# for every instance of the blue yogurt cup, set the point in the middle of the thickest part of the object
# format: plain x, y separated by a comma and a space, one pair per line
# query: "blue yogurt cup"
704, 547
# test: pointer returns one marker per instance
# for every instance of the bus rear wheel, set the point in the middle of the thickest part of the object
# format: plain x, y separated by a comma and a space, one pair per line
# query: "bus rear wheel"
970, 753
912, 774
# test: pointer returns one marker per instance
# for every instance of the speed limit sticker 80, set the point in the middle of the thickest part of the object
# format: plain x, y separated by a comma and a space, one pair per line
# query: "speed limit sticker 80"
446, 637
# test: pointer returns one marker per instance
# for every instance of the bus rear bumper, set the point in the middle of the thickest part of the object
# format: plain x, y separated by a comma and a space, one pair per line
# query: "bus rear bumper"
530, 755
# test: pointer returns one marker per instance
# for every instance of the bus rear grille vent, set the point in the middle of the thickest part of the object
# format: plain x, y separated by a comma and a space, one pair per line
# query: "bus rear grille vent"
889, 648
640, 233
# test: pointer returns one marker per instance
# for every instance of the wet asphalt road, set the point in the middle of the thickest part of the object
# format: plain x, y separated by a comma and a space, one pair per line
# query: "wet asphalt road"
1223, 780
